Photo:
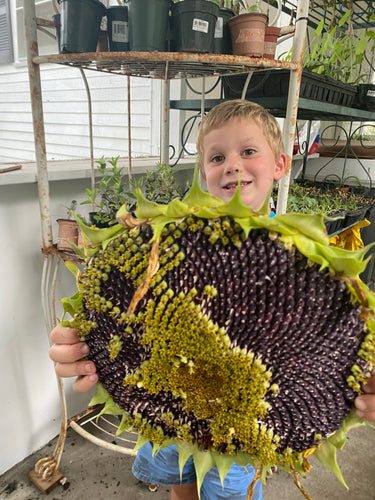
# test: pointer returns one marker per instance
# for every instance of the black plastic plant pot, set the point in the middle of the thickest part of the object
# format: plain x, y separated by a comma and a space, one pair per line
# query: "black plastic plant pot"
334, 226
80, 25
222, 38
194, 23
118, 28
354, 217
57, 24
366, 96
148, 25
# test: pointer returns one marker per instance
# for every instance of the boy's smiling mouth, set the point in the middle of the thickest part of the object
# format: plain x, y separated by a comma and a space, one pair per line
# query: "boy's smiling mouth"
232, 186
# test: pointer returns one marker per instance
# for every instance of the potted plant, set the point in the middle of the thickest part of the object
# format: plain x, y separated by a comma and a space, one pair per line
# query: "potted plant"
331, 68
341, 207
109, 195
118, 27
80, 25
248, 30
112, 192
194, 23
222, 38
159, 185
148, 24
68, 230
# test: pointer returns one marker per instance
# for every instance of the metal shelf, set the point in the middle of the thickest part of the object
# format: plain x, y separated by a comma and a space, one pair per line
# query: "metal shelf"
164, 65
308, 109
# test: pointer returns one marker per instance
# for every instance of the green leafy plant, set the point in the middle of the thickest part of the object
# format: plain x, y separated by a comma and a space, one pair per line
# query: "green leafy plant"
71, 209
308, 199
110, 193
240, 6
159, 185
337, 53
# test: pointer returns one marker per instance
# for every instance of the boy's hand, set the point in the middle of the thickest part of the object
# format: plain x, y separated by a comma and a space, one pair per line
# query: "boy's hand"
365, 403
67, 352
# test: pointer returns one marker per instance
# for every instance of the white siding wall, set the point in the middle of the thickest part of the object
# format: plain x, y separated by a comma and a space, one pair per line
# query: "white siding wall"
66, 114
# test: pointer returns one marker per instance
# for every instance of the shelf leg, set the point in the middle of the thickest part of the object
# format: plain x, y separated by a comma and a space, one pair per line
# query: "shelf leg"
45, 474
164, 126
38, 121
293, 98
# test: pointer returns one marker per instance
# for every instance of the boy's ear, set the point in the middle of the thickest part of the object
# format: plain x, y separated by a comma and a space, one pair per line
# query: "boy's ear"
280, 167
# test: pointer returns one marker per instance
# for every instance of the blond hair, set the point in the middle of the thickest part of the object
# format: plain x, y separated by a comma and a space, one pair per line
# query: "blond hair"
242, 110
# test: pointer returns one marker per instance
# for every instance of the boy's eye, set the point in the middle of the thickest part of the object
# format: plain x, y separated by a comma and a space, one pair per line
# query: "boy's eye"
248, 152
217, 159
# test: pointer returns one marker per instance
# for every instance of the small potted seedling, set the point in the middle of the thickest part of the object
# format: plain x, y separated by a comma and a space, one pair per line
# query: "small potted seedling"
68, 230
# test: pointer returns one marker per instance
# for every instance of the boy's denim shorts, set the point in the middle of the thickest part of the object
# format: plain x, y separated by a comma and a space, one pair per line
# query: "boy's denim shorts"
163, 468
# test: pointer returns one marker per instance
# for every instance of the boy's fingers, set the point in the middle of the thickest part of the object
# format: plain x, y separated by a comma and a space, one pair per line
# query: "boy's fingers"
369, 387
64, 335
365, 405
75, 369
68, 353
85, 383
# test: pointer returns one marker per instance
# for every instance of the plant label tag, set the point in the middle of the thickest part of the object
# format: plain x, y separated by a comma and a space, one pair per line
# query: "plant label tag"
219, 28
371, 93
120, 31
200, 25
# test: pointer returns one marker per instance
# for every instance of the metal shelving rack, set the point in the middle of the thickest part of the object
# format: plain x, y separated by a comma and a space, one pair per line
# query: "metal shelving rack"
163, 66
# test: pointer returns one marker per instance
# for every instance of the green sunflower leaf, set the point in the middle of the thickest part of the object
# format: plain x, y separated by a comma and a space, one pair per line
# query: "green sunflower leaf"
101, 395
148, 209
141, 441
178, 209
72, 304
185, 450
223, 464
196, 197
203, 462
99, 236
327, 455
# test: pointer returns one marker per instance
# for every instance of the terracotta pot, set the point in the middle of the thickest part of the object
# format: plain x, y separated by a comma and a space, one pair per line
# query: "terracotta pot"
247, 33
68, 231
80, 243
270, 40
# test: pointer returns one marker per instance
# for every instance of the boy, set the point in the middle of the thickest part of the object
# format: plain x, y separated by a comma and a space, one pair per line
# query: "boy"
238, 140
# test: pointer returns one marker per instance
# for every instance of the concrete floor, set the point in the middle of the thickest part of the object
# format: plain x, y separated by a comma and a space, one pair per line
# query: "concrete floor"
94, 473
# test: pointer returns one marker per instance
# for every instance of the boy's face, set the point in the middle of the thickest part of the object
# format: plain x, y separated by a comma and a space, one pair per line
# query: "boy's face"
239, 149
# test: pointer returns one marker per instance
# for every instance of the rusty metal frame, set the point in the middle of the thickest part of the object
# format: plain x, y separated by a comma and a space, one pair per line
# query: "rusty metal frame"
38, 120
293, 99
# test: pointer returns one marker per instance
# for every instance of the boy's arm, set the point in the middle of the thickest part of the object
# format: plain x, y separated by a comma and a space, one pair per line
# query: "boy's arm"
67, 352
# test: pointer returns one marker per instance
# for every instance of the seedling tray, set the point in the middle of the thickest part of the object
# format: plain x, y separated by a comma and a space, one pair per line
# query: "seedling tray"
275, 83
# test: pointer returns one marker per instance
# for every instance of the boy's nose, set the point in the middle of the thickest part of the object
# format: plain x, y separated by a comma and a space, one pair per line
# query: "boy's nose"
233, 164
